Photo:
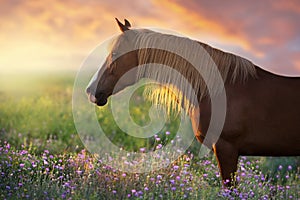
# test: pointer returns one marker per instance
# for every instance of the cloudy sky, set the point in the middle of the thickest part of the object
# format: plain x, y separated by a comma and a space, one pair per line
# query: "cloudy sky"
53, 34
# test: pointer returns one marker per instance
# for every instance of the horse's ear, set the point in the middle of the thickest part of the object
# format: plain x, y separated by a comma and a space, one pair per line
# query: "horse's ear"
122, 26
127, 24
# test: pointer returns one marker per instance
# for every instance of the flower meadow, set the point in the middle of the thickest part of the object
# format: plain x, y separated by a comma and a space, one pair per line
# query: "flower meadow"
27, 175
42, 157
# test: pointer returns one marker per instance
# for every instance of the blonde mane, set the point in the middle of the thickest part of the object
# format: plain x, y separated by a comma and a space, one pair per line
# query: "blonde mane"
181, 79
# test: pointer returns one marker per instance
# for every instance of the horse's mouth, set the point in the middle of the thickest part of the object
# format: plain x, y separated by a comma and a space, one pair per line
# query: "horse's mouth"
101, 102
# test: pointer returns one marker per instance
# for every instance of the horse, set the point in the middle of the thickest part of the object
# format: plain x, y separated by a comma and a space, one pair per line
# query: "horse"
262, 108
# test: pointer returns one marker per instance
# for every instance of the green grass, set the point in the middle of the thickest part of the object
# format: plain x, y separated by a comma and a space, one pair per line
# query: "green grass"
42, 156
40, 112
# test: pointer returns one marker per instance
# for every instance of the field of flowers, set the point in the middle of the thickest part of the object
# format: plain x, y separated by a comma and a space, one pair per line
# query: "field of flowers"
25, 174
42, 157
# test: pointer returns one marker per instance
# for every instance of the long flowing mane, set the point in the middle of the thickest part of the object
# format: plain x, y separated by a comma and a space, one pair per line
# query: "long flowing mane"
174, 91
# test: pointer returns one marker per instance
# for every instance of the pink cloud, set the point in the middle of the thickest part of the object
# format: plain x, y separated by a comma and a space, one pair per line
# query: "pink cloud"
266, 30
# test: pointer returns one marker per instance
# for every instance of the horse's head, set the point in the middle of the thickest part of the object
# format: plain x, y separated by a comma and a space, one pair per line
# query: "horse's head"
121, 59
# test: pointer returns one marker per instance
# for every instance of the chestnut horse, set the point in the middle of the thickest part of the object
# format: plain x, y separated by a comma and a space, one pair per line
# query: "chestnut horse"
263, 109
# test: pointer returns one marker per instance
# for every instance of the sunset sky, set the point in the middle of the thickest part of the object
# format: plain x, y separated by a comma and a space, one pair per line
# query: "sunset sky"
53, 34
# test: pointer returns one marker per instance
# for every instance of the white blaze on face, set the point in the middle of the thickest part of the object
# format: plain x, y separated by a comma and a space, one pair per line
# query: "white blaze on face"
92, 87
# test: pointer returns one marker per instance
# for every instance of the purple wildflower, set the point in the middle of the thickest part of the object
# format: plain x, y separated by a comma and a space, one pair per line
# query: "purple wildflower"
175, 167
23, 152
206, 162
287, 176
